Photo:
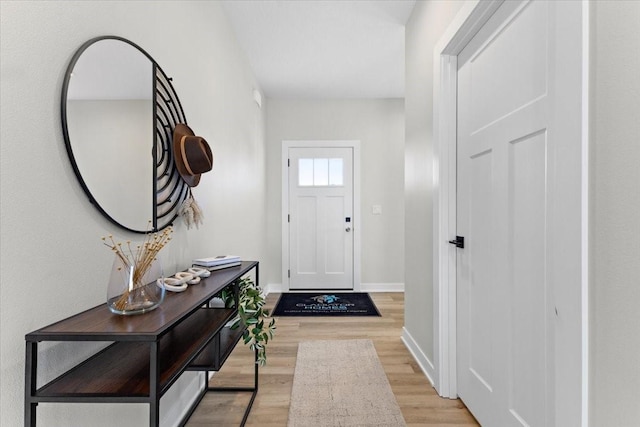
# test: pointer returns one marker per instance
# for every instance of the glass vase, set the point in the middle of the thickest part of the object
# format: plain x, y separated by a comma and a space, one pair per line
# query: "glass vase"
134, 287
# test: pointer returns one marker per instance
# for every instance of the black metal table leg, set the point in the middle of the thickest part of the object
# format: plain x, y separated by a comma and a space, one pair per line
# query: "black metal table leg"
253, 390
31, 367
154, 400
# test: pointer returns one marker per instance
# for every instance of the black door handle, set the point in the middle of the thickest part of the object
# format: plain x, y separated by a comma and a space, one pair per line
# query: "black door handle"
459, 242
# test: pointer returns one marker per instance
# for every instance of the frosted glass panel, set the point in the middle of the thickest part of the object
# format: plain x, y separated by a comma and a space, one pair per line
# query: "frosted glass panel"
320, 172
335, 172
305, 172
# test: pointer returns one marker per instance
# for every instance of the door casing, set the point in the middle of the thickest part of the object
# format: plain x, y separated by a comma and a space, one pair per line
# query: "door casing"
465, 25
356, 227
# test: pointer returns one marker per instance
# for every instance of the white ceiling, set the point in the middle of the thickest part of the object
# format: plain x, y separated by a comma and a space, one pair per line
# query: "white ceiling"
324, 48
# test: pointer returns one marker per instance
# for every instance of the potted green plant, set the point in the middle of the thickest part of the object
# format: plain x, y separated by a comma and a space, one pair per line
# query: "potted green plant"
260, 326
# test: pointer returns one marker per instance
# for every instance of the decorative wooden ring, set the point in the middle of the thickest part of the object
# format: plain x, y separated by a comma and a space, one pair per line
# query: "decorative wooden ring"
200, 272
171, 284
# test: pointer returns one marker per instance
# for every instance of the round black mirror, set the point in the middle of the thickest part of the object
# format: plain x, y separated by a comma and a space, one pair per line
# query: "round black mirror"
118, 113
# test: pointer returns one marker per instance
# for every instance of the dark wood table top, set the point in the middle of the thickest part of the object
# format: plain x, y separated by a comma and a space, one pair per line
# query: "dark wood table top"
100, 324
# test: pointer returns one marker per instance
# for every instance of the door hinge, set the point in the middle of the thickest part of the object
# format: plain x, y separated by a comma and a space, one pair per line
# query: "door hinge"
288, 163
288, 218
289, 273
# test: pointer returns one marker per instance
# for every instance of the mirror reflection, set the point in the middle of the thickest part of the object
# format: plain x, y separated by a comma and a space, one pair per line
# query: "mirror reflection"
110, 125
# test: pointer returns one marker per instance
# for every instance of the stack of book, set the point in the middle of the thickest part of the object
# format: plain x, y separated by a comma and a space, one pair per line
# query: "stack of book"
217, 262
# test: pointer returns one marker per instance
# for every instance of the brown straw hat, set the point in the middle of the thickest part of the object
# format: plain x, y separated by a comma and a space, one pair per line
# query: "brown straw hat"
192, 154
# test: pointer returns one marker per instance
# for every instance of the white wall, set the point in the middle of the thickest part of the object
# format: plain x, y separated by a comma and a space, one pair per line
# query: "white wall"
424, 29
379, 125
52, 262
615, 244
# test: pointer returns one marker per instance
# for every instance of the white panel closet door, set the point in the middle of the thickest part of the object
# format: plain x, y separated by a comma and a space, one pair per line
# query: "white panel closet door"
505, 333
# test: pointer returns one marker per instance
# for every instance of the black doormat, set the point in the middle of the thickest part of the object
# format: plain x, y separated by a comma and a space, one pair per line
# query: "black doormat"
325, 304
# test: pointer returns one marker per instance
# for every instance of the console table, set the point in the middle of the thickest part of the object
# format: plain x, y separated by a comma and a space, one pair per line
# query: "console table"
148, 351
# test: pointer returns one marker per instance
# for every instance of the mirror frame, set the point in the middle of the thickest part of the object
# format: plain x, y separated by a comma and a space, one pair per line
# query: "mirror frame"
169, 189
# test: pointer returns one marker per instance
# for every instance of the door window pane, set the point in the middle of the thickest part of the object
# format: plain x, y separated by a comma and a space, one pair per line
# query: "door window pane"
335, 172
305, 172
320, 172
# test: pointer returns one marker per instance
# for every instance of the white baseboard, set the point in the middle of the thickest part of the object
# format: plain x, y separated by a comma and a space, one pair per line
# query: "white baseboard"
364, 287
275, 288
382, 287
423, 361
179, 398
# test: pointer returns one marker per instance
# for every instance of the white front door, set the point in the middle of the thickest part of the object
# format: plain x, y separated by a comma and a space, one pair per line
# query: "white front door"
507, 167
321, 220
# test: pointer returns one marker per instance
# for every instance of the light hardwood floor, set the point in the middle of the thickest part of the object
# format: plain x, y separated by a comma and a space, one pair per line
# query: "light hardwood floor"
420, 405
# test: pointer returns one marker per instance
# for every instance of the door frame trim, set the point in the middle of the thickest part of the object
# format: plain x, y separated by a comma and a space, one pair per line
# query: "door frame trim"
355, 145
471, 17
465, 25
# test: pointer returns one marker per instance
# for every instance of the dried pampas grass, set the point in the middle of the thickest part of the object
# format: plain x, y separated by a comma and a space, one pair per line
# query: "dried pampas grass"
137, 260
191, 212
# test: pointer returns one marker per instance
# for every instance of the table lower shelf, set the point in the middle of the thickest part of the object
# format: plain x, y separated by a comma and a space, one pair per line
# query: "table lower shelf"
214, 355
122, 371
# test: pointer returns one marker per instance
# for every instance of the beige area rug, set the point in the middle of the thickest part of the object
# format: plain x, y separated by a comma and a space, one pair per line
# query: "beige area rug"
341, 383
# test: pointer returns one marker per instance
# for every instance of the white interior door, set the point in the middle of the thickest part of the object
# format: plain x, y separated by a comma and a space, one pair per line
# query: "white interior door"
321, 220
505, 172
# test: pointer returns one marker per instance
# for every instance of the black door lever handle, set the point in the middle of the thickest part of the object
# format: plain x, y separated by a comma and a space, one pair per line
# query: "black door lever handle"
459, 242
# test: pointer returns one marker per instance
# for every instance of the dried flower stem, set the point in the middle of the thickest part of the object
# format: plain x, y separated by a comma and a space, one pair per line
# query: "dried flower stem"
138, 260
191, 212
